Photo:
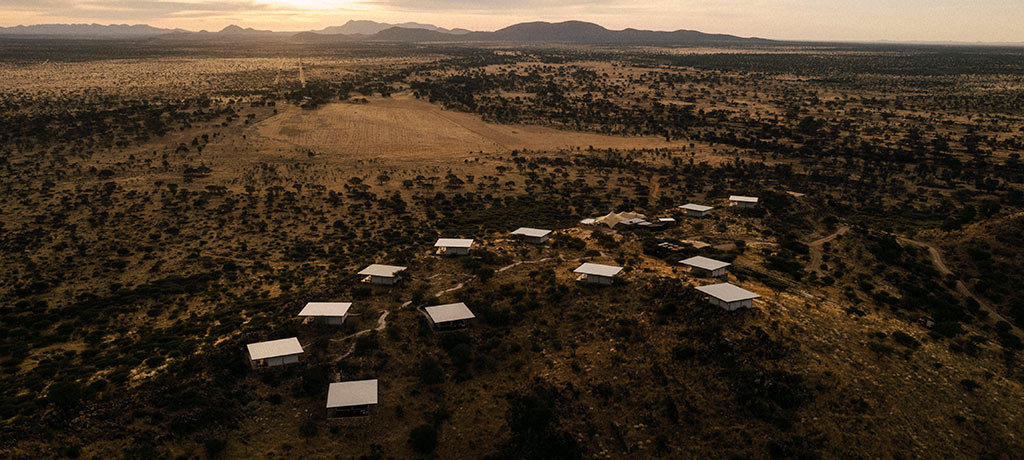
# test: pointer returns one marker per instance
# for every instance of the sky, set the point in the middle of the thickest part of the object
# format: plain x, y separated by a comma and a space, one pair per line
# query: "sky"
989, 21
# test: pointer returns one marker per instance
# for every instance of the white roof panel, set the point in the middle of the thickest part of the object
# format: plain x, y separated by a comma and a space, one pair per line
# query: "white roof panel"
705, 263
453, 243
598, 269
326, 309
449, 312
534, 232
274, 348
745, 199
386, 271
696, 207
727, 292
355, 393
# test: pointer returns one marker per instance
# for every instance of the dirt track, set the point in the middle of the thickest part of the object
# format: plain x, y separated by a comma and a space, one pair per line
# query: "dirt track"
940, 266
816, 248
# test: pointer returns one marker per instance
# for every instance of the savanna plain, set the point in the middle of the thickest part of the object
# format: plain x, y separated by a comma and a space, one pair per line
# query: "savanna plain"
164, 204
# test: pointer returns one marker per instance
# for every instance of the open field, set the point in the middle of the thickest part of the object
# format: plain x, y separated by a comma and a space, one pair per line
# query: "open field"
165, 206
406, 128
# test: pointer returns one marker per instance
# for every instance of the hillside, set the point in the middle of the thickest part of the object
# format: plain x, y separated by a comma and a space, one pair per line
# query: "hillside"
164, 211
985, 253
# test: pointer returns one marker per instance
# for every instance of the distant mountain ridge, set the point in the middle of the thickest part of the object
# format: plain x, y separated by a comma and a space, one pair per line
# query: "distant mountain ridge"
89, 30
528, 32
353, 27
587, 32
563, 32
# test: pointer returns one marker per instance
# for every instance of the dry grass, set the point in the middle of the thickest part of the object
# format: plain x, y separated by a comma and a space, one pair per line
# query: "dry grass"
403, 127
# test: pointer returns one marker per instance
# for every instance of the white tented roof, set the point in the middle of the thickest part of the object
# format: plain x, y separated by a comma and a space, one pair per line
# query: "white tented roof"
326, 309
598, 269
453, 243
727, 292
612, 219
533, 232
386, 271
705, 263
588, 221
274, 348
355, 393
744, 199
696, 207
449, 312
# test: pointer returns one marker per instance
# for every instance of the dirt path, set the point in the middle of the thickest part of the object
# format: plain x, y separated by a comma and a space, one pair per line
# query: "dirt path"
302, 75
816, 248
509, 267
940, 266
382, 322
451, 289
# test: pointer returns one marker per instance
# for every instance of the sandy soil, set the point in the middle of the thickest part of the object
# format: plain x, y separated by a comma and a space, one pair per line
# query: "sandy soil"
407, 128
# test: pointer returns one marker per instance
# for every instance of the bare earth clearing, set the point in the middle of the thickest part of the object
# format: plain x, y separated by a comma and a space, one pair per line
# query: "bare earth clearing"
407, 128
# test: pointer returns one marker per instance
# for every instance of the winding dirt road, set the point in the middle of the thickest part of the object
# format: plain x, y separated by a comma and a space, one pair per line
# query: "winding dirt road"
940, 266
816, 248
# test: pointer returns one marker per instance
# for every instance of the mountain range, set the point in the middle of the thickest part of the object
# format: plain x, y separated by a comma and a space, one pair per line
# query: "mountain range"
89, 30
353, 27
529, 32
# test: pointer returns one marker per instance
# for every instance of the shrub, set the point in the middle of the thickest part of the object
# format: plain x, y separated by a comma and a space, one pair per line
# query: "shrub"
214, 446
970, 385
366, 343
905, 339
430, 371
65, 395
314, 381
423, 439
308, 429
683, 352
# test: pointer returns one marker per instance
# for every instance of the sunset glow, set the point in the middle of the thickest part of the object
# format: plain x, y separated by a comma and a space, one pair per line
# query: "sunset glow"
871, 20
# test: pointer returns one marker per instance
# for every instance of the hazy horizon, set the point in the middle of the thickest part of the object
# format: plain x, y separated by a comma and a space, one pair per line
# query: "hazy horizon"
987, 21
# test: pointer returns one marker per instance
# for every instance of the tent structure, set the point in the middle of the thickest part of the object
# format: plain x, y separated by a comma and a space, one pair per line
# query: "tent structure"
743, 201
450, 316
613, 219
274, 353
329, 313
728, 296
453, 246
532, 235
597, 273
386, 275
706, 267
351, 399
696, 210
